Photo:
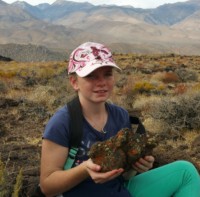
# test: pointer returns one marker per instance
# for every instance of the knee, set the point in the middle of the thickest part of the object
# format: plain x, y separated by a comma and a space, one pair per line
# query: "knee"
186, 165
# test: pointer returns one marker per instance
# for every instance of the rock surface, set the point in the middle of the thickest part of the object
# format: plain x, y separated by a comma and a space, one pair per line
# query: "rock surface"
120, 151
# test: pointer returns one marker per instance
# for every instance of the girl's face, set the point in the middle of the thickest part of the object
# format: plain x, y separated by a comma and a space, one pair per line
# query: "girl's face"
95, 87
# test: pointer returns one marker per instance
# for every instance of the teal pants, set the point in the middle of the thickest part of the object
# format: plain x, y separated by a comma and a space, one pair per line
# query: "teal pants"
177, 179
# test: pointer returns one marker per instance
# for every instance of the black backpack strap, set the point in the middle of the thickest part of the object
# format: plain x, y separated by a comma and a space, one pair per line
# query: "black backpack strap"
136, 121
76, 130
76, 121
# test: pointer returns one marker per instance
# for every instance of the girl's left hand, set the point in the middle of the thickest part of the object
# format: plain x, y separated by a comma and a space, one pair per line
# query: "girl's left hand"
144, 164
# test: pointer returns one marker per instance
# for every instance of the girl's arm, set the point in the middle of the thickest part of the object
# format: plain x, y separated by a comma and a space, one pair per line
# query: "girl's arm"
53, 179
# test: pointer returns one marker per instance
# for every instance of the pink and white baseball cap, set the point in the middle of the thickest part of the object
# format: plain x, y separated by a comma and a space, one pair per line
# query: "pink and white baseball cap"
88, 57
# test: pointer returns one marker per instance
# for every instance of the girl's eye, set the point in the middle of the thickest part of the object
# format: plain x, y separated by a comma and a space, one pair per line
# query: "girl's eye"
109, 74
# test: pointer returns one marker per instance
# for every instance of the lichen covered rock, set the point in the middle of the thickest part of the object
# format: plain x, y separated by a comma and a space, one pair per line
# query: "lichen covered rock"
120, 151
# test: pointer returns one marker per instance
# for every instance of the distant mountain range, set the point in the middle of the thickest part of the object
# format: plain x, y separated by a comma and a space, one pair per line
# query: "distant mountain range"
170, 28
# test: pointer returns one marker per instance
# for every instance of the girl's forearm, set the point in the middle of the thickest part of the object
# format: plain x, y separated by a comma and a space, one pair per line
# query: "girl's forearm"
62, 181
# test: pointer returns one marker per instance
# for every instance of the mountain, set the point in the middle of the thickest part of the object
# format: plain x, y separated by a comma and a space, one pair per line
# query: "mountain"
11, 14
170, 28
61, 8
32, 10
170, 14
43, 6
28, 53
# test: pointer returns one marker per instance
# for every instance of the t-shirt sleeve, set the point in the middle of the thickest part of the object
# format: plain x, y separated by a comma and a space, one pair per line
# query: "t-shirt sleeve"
57, 129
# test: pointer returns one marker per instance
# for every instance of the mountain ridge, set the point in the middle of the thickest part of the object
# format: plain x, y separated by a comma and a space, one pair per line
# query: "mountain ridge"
169, 28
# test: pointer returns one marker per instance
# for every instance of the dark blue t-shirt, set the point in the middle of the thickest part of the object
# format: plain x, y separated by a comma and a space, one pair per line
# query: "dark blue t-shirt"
57, 130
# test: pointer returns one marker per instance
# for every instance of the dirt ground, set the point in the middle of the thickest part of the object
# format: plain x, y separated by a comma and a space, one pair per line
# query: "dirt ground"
20, 143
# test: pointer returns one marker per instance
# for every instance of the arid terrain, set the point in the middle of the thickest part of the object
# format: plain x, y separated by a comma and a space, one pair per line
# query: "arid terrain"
163, 90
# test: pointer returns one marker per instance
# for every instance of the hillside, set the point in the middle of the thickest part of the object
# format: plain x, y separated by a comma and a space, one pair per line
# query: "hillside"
30, 53
170, 28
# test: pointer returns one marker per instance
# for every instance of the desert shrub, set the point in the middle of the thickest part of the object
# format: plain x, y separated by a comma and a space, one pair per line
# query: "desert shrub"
125, 83
141, 102
170, 77
158, 76
46, 73
30, 81
180, 89
166, 77
177, 113
22, 73
144, 87
186, 75
3, 87
196, 87
43, 95
29, 77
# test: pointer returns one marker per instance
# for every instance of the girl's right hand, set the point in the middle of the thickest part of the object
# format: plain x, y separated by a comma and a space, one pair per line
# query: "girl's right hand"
101, 177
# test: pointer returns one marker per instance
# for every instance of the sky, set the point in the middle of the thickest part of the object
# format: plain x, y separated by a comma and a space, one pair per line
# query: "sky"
135, 3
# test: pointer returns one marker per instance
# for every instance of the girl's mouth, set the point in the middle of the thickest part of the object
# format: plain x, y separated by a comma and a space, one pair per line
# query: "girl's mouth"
100, 91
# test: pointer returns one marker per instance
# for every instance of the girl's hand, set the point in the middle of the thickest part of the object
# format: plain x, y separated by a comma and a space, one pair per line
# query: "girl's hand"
144, 164
101, 177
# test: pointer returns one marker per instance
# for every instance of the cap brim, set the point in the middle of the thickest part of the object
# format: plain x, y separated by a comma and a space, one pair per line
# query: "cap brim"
85, 71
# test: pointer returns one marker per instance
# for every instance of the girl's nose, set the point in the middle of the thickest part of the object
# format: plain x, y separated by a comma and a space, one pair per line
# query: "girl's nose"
101, 80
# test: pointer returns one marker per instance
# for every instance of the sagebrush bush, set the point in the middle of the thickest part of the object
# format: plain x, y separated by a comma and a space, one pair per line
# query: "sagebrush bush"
29, 77
187, 75
177, 113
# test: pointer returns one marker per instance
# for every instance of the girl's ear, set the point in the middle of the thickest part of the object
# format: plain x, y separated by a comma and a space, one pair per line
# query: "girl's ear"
74, 82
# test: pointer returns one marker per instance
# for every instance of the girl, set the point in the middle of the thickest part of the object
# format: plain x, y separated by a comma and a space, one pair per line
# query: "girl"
91, 75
